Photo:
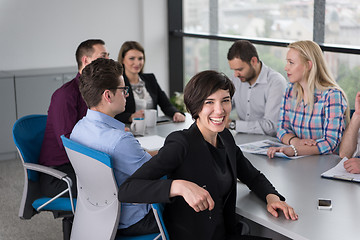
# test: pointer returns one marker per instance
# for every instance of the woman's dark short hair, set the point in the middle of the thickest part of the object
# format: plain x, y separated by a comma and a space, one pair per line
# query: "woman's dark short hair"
127, 46
201, 86
99, 75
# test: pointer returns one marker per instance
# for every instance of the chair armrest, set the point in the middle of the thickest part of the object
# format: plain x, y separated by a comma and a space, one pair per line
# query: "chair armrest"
55, 173
44, 169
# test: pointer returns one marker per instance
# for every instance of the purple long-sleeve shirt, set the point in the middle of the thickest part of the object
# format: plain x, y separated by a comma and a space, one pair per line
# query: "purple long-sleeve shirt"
66, 108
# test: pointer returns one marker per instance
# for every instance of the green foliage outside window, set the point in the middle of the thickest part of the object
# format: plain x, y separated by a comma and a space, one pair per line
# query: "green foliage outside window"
349, 81
178, 101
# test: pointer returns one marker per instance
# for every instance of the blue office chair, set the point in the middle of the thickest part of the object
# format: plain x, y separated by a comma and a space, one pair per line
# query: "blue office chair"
158, 209
28, 134
98, 209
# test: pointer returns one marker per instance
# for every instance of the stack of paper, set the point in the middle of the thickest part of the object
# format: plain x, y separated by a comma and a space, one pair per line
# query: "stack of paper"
151, 143
261, 147
339, 172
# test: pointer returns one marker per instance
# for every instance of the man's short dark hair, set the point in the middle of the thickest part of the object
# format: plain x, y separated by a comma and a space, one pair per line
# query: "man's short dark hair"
99, 75
86, 49
243, 50
201, 86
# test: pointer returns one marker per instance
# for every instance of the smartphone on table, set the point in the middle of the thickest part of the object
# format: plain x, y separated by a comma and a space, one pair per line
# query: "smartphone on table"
324, 203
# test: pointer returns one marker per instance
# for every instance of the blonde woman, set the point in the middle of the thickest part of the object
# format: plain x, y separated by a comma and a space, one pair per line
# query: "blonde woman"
314, 110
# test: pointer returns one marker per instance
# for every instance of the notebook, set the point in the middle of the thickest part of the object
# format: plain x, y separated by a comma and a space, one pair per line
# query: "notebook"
162, 119
261, 147
339, 172
151, 143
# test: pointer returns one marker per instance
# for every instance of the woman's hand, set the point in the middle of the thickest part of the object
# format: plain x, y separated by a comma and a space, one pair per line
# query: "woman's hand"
288, 151
137, 114
197, 197
303, 142
352, 165
178, 117
274, 203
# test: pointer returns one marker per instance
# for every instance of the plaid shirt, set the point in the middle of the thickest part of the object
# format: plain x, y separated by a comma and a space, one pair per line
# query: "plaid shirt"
325, 123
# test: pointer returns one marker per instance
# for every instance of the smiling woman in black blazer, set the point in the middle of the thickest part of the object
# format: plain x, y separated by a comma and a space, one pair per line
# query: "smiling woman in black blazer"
202, 165
144, 90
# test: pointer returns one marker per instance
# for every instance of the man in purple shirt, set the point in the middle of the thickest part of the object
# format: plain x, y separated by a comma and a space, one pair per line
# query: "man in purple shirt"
66, 108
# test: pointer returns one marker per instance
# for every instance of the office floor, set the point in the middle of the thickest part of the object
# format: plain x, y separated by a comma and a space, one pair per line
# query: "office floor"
42, 226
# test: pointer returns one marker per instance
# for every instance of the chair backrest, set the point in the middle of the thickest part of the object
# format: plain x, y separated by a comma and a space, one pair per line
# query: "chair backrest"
97, 209
158, 209
28, 134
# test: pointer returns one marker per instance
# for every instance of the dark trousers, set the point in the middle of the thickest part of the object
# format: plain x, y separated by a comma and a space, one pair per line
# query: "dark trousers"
51, 186
242, 233
146, 225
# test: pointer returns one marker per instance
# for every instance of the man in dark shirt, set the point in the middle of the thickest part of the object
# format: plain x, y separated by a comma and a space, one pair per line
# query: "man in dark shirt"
66, 108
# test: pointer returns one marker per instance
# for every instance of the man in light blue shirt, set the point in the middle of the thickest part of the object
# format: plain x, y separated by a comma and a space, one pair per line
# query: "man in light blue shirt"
103, 89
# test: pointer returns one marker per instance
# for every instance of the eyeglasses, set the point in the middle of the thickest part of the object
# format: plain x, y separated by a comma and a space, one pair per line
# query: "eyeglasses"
125, 90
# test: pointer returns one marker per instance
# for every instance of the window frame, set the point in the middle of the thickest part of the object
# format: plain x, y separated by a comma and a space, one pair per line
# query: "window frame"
176, 35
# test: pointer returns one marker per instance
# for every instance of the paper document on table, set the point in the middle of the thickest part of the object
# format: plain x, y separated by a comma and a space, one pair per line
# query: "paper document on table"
261, 147
339, 172
151, 143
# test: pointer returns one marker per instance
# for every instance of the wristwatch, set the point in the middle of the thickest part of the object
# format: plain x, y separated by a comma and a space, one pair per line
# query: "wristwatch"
232, 125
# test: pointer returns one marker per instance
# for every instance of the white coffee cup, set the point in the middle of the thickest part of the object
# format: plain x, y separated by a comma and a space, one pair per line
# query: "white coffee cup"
150, 117
138, 126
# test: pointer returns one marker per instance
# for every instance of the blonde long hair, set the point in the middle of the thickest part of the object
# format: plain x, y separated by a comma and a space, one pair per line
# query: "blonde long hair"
319, 77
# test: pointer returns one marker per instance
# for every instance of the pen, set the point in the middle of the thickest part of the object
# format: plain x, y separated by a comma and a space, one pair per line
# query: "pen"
343, 177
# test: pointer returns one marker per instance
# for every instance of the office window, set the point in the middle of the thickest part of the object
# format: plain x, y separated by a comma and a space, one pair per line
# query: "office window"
283, 19
342, 22
197, 57
209, 27
342, 26
346, 71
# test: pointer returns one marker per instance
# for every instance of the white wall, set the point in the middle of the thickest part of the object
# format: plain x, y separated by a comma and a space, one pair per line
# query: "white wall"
155, 30
45, 33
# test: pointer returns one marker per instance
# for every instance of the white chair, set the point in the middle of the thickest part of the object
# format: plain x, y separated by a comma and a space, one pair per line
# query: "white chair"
98, 209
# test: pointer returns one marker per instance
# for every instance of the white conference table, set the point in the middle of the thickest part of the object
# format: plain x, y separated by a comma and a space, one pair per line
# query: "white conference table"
300, 183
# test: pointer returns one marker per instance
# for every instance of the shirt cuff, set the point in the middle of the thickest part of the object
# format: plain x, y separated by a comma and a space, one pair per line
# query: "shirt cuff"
248, 127
280, 134
323, 146
240, 125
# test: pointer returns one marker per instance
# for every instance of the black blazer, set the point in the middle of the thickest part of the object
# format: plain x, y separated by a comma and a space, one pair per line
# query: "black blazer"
186, 156
158, 96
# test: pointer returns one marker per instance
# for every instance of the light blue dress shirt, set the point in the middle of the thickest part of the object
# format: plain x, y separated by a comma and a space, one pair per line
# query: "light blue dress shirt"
106, 134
